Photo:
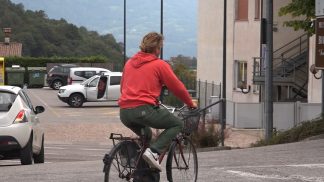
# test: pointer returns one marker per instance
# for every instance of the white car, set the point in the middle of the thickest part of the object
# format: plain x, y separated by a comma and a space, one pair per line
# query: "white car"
21, 135
87, 91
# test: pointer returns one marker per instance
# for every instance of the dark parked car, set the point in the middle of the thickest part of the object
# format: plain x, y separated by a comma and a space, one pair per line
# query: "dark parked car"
57, 76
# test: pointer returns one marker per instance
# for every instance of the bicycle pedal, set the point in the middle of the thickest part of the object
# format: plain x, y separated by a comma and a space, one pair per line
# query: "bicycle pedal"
106, 158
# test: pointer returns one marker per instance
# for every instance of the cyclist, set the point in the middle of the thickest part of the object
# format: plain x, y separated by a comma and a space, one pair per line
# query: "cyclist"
144, 75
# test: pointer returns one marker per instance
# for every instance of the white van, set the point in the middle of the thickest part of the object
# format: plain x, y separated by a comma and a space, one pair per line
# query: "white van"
79, 74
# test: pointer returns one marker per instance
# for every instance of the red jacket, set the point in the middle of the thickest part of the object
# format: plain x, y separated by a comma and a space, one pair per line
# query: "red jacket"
143, 77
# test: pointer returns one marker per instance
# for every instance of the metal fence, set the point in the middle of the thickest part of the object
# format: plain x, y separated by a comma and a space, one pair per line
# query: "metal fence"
207, 90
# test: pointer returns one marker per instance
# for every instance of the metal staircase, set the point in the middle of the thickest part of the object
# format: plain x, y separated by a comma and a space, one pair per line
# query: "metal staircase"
290, 69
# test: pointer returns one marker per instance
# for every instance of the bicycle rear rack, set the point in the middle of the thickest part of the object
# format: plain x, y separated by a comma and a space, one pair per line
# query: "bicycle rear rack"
120, 137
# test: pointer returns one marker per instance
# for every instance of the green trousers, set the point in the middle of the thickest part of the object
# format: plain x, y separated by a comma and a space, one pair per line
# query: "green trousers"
148, 117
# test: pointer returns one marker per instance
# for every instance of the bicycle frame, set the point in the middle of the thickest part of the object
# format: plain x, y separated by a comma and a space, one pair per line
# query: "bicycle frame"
142, 143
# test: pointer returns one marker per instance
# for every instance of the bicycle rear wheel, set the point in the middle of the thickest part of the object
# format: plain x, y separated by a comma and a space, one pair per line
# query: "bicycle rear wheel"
120, 162
182, 163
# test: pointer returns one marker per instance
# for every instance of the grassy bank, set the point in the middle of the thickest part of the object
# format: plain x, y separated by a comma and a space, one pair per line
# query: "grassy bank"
304, 130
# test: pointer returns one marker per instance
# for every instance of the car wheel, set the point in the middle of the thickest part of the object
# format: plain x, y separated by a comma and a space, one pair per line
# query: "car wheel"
57, 84
40, 157
26, 154
76, 100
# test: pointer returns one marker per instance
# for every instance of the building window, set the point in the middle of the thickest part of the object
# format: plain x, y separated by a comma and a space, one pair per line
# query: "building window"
257, 10
240, 74
242, 10
256, 88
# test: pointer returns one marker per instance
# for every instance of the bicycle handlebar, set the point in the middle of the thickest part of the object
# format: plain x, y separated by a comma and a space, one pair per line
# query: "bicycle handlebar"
172, 109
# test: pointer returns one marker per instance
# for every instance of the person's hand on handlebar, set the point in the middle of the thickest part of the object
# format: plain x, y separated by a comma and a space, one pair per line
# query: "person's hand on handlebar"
194, 102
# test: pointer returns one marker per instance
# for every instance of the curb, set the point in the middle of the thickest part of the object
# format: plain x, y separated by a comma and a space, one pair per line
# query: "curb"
209, 149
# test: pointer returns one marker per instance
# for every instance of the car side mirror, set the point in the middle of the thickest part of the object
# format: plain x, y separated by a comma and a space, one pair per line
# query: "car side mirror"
102, 85
39, 109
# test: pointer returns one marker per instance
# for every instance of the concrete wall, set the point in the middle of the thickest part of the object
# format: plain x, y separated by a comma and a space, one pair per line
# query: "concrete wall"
285, 114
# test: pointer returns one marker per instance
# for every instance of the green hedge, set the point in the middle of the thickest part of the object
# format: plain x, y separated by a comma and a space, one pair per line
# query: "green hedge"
42, 61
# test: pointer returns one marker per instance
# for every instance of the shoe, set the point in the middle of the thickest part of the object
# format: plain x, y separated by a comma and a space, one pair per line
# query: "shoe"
152, 159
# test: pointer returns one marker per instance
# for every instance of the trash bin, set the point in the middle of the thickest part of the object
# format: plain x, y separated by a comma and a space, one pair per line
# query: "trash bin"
15, 76
36, 76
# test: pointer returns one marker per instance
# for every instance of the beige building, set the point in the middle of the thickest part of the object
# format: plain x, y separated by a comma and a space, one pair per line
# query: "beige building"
243, 44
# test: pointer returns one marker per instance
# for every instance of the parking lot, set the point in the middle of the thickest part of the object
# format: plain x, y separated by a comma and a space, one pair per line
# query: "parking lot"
63, 124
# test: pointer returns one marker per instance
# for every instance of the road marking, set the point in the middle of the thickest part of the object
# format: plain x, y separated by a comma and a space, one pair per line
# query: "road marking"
308, 165
52, 153
95, 155
270, 166
252, 175
56, 148
45, 104
111, 113
88, 149
291, 177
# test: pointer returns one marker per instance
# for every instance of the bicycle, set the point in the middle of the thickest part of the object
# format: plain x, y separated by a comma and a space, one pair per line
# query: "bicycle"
124, 162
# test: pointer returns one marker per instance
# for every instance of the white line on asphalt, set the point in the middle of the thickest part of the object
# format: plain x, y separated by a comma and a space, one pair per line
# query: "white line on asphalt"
56, 148
41, 100
252, 175
270, 166
52, 153
87, 149
291, 177
95, 155
308, 165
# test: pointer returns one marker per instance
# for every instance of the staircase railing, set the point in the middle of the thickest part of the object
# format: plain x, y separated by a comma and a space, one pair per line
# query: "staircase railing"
287, 61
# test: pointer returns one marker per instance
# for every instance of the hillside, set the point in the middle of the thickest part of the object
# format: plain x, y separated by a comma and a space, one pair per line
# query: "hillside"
106, 16
44, 37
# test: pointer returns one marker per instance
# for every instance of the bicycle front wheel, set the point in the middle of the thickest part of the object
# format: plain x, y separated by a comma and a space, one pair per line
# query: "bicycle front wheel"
120, 162
182, 163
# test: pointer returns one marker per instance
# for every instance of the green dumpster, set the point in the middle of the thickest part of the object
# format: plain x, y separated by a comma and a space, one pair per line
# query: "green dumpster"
36, 76
15, 76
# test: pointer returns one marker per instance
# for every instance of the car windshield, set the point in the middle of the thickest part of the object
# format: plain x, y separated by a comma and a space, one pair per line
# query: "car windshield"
88, 80
6, 100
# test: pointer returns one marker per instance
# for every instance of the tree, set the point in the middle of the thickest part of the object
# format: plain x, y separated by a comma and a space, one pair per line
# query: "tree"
300, 8
44, 37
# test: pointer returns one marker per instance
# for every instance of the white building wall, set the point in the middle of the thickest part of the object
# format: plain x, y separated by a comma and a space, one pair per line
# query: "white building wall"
246, 46
243, 43
314, 85
210, 40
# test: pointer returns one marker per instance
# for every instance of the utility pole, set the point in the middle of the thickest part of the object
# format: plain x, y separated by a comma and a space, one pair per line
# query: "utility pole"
161, 54
124, 32
224, 76
268, 73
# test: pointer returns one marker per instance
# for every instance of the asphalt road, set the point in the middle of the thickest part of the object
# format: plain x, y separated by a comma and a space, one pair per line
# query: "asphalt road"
296, 162
76, 140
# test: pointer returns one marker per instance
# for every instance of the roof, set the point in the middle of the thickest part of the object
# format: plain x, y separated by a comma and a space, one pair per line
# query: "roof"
88, 69
113, 73
11, 49
8, 88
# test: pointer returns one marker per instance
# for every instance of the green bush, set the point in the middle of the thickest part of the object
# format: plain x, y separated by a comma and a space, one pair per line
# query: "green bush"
42, 61
304, 130
206, 137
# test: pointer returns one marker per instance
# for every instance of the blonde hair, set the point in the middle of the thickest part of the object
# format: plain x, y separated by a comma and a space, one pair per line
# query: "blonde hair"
151, 42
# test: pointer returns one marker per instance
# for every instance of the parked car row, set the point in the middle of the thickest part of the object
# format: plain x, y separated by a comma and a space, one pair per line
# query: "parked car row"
68, 74
21, 135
